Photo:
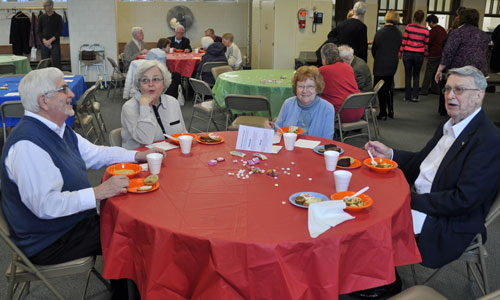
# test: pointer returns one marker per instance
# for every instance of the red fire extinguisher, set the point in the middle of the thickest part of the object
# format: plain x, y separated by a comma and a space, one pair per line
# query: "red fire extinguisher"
301, 16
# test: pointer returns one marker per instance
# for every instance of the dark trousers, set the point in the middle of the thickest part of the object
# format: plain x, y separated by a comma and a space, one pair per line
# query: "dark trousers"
54, 52
173, 89
413, 63
430, 73
385, 95
82, 240
442, 107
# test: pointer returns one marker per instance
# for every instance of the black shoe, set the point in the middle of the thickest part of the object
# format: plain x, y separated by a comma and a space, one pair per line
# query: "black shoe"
391, 114
380, 291
415, 100
382, 117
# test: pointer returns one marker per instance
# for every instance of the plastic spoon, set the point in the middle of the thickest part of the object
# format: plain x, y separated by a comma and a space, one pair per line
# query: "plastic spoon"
171, 137
361, 191
374, 163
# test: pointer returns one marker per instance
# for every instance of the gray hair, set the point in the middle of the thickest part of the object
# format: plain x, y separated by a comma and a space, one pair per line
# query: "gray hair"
136, 29
359, 8
145, 66
36, 83
211, 30
479, 79
206, 41
346, 53
179, 26
49, 2
330, 53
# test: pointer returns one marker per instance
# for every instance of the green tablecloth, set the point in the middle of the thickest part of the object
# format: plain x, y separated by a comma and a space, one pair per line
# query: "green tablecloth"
276, 85
21, 62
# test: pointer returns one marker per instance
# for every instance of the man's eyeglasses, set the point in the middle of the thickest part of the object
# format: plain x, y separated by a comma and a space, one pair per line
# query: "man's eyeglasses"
64, 89
456, 90
155, 80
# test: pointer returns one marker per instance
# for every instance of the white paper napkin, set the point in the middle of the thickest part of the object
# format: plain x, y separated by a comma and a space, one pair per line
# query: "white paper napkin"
163, 145
326, 214
306, 144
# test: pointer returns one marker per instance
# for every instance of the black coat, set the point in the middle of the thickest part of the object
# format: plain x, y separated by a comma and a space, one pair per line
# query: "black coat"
463, 190
215, 52
20, 25
385, 51
184, 44
495, 54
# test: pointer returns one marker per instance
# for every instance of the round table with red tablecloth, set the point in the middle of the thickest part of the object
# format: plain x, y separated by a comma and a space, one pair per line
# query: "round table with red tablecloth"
205, 234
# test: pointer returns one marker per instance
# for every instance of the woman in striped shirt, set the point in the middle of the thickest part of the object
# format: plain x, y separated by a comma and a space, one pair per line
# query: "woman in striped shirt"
413, 48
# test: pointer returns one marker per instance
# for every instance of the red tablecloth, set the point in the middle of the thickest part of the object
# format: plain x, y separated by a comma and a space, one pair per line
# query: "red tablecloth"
205, 234
184, 63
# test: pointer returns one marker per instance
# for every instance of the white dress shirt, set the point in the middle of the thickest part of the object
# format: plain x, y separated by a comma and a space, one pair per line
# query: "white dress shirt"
430, 164
40, 182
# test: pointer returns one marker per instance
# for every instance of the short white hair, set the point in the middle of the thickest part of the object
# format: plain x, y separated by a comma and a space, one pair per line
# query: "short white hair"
136, 29
36, 83
145, 66
346, 53
206, 41
179, 26
359, 8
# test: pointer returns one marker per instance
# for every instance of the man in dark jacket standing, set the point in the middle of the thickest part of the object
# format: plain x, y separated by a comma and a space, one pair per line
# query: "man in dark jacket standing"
50, 26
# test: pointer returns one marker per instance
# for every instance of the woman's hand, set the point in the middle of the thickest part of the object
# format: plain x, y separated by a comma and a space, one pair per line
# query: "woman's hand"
269, 125
146, 99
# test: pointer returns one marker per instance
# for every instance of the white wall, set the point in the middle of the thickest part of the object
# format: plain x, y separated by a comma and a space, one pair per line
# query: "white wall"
92, 22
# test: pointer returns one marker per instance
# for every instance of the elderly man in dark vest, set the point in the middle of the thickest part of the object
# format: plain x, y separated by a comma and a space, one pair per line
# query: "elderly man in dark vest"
47, 199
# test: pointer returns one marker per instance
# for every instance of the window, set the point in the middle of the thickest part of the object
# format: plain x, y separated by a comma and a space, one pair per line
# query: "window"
443, 9
385, 5
491, 15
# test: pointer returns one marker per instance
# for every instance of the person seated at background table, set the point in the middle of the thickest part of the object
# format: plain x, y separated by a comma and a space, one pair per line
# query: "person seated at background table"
134, 47
340, 82
47, 199
455, 176
233, 53
150, 113
215, 52
211, 33
361, 70
307, 110
164, 44
179, 41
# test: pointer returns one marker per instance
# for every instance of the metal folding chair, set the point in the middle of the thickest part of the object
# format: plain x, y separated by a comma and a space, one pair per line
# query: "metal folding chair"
203, 105
247, 103
353, 101
44, 63
117, 77
115, 137
216, 71
7, 69
10, 109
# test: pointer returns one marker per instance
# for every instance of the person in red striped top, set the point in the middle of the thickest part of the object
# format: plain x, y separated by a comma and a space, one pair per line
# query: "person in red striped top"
413, 48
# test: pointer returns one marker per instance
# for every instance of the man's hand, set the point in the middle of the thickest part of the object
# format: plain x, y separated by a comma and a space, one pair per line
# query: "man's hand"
144, 51
141, 156
378, 149
115, 185
269, 125
186, 50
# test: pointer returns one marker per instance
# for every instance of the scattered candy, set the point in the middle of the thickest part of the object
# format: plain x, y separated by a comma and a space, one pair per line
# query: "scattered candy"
271, 172
288, 169
237, 153
282, 169
261, 156
283, 202
293, 163
275, 177
219, 159
276, 184
235, 161
310, 179
212, 162
298, 175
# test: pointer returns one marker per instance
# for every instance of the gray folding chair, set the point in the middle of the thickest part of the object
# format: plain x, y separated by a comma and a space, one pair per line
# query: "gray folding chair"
115, 137
372, 108
205, 106
117, 77
22, 270
44, 63
353, 101
475, 255
208, 66
423, 292
247, 103
7, 69
216, 71
10, 109
84, 116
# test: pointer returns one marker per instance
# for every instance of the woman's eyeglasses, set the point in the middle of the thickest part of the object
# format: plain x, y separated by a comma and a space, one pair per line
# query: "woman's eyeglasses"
155, 80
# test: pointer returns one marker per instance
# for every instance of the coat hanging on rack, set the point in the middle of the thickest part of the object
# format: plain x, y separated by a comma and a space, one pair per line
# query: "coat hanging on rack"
34, 38
20, 33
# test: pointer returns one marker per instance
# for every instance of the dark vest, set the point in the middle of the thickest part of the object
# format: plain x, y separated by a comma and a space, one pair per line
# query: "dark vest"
30, 233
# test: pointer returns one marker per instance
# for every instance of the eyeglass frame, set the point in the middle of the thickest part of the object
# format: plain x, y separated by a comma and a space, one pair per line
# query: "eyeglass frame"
456, 90
65, 88
154, 80
306, 87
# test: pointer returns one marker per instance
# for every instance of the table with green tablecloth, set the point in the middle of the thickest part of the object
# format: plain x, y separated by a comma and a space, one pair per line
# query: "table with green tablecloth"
21, 62
276, 85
